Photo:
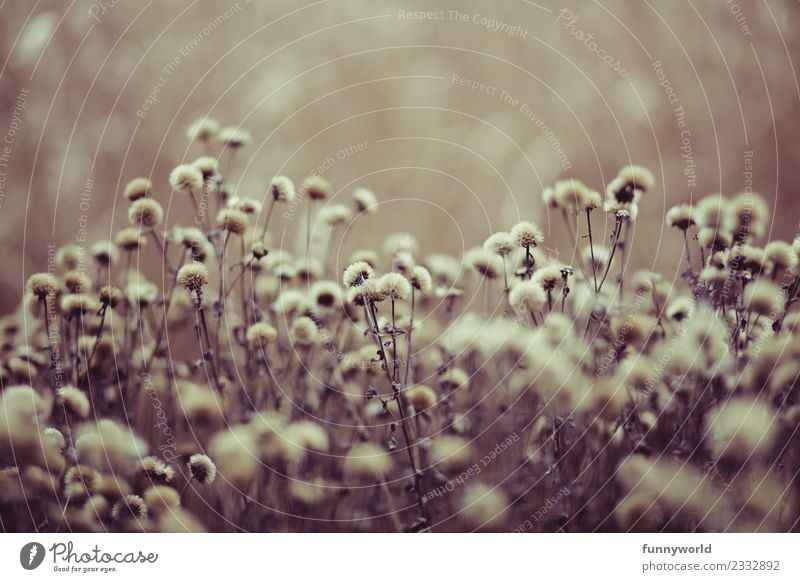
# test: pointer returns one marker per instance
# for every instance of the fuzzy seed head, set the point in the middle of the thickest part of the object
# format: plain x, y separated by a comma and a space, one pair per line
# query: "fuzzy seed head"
282, 189
146, 213
394, 286
202, 469
42, 285
186, 179
317, 188
365, 201
232, 220
260, 335
357, 273
500, 243
193, 276
527, 234
203, 130
138, 188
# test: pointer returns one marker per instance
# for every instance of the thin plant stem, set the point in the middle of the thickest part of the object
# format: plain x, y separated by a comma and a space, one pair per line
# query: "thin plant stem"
270, 209
591, 246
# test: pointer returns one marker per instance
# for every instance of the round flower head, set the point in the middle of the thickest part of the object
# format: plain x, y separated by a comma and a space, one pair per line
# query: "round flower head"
111, 296
400, 242
325, 294
161, 498
337, 215
750, 215
526, 234
56, 437
68, 256
637, 178
42, 285
778, 255
528, 295
681, 216
247, 205
484, 262
303, 331
549, 277
680, 309
203, 130
79, 304
764, 298
208, 166
137, 188
421, 279
146, 213
394, 286
369, 290
186, 179
129, 239
456, 378
713, 212
317, 188
282, 189
714, 239
365, 201
105, 253
368, 256
77, 282
742, 428
573, 195
233, 137
500, 243
356, 274
156, 470
74, 400
260, 335
193, 277
129, 506
202, 469
232, 220
421, 397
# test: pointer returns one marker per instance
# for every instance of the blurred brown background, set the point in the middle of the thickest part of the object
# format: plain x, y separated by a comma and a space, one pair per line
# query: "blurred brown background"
310, 80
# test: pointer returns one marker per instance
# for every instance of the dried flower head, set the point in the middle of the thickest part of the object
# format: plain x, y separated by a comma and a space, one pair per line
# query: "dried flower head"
421, 397
365, 201
156, 470
742, 428
637, 178
303, 331
357, 273
337, 215
527, 235
260, 335
527, 295
202, 469
421, 280
129, 239
79, 304
74, 401
41, 285
487, 264
282, 189
130, 506
394, 286
111, 296
138, 188
232, 220
500, 243
186, 179
680, 216
208, 167
203, 130
234, 137
146, 213
77, 282
572, 195
193, 276
316, 188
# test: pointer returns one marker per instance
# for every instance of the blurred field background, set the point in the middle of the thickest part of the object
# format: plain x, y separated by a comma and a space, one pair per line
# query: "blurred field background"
311, 80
